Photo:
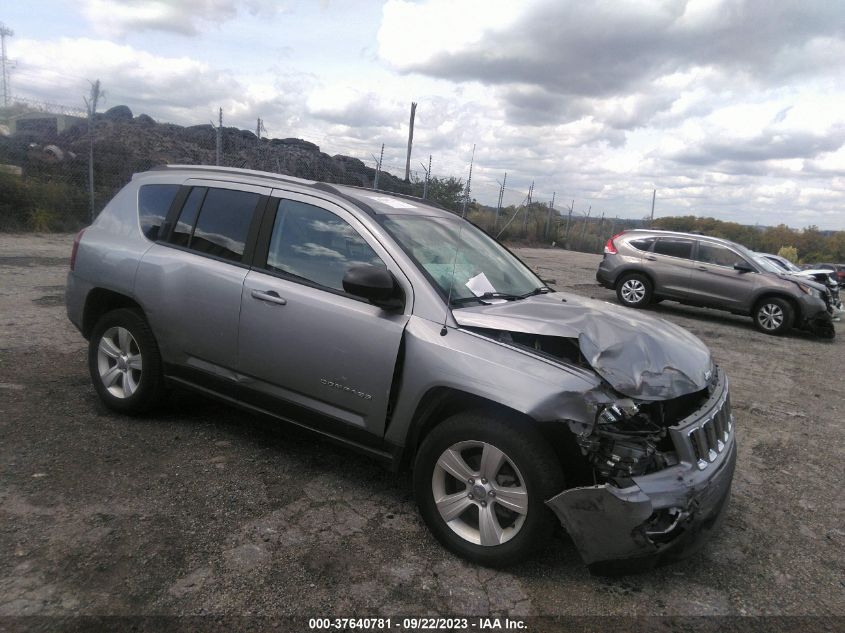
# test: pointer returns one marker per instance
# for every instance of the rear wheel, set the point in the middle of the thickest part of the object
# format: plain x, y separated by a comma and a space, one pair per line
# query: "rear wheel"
481, 481
774, 316
634, 290
124, 362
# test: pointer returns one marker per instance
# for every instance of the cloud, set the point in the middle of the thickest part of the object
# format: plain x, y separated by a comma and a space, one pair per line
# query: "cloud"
771, 144
624, 62
175, 89
349, 106
600, 48
185, 17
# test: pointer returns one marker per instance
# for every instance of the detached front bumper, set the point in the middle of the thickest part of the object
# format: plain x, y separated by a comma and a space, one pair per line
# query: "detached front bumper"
662, 516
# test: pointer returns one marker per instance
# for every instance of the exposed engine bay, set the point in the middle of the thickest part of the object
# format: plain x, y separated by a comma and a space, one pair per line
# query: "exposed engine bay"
628, 438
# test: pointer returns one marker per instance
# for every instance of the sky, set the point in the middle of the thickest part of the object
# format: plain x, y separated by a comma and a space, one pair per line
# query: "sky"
728, 108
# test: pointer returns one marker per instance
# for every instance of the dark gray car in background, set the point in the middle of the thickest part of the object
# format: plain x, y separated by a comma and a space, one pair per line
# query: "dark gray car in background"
402, 331
646, 266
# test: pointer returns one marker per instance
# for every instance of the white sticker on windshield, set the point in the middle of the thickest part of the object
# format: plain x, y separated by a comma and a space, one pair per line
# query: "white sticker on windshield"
392, 202
480, 285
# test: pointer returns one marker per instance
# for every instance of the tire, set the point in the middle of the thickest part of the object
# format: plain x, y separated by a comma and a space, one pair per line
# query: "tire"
124, 363
774, 316
511, 504
634, 290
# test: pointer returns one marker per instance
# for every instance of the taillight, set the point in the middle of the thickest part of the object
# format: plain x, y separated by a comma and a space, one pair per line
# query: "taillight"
610, 247
75, 248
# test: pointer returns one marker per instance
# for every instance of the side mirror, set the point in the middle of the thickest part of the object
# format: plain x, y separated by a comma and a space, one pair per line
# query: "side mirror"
743, 267
375, 284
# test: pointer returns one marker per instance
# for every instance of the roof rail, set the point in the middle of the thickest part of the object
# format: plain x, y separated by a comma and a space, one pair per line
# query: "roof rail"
407, 196
236, 171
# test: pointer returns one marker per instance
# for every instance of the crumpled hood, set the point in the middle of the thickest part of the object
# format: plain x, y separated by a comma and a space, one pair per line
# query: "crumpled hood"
641, 356
808, 280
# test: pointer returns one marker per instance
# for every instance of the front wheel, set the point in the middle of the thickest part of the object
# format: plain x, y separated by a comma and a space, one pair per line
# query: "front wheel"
774, 316
124, 362
481, 481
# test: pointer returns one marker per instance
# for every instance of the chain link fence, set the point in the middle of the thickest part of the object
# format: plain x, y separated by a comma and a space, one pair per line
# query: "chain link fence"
50, 155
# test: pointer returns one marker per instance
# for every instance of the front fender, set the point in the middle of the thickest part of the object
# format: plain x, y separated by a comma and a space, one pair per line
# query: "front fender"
473, 364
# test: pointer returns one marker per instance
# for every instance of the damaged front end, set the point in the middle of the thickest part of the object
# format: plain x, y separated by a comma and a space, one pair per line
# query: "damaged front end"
656, 440
663, 475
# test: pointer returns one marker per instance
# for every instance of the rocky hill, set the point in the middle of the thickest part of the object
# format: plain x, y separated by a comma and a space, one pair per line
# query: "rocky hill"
44, 163
125, 144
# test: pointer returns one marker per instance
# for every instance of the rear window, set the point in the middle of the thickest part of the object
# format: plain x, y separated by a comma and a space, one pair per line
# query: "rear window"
674, 248
153, 204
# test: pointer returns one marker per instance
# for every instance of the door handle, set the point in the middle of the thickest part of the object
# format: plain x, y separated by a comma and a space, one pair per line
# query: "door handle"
650, 258
701, 267
271, 296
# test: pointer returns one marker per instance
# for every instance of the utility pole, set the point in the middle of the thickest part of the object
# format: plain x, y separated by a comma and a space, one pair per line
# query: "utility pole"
219, 138
5, 63
549, 218
469, 184
586, 219
569, 220
427, 176
653, 196
410, 141
527, 207
499, 203
91, 106
378, 166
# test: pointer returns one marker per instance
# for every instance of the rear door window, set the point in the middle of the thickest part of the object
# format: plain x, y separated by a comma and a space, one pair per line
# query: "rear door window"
674, 247
153, 204
216, 222
181, 235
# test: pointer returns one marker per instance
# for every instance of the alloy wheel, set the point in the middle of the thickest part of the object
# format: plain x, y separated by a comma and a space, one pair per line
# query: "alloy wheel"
119, 362
633, 291
479, 493
770, 316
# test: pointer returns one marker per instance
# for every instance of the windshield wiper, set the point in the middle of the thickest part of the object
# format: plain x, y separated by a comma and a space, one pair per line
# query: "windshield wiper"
537, 291
501, 295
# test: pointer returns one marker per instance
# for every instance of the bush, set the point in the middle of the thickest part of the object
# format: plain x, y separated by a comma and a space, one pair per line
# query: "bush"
789, 252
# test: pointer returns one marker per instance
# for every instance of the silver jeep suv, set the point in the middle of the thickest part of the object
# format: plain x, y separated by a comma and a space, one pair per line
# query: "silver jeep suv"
647, 266
396, 328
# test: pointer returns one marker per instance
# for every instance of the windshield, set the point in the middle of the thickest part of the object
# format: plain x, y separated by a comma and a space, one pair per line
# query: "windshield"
764, 262
482, 267
782, 262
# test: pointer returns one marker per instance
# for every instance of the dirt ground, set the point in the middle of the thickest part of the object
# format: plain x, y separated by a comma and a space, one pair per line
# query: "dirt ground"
203, 509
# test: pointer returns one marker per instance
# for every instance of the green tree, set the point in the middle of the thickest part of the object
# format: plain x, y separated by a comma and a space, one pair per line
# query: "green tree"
789, 252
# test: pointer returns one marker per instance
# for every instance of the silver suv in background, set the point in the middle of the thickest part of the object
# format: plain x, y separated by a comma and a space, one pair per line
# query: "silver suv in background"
402, 331
647, 266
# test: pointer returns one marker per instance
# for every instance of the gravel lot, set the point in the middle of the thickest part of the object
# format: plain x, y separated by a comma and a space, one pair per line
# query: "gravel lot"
203, 509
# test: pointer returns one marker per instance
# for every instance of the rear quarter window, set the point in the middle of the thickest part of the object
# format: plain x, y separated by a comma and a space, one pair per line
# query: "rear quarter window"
642, 244
153, 204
